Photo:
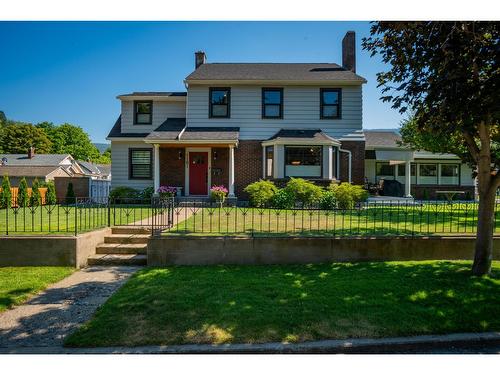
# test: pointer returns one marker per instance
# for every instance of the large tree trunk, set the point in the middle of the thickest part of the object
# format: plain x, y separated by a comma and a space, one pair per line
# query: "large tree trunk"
484, 240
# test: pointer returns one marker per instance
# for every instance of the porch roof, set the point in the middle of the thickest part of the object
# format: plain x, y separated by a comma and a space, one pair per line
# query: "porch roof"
169, 130
308, 136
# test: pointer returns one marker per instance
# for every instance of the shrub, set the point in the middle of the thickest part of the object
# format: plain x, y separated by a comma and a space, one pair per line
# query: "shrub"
36, 198
304, 191
261, 193
5, 194
22, 193
70, 194
328, 200
167, 191
121, 192
283, 199
50, 195
347, 195
147, 193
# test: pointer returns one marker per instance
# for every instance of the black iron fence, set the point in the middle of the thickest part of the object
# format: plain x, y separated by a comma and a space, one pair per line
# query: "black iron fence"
77, 215
236, 218
414, 218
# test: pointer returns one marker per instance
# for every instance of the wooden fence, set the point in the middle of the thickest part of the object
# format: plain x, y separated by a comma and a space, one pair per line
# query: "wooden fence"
14, 192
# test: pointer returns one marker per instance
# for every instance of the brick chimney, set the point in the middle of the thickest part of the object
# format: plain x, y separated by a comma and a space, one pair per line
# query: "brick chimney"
199, 59
31, 152
349, 51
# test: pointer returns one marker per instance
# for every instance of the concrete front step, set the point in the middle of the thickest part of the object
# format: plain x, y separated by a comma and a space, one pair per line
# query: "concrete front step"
127, 238
117, 260
117, 248
130, 230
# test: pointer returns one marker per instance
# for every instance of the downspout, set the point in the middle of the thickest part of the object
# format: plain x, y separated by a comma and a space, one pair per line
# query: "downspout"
349, 155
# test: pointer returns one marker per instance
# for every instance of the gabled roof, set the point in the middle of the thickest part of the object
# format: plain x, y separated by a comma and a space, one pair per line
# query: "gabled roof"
39, 160
28, 171
116, 131
387, 138
309, 72
301, 137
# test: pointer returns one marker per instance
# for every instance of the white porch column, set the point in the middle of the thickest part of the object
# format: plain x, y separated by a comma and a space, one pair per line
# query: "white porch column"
231, 171
156, 170
408, 179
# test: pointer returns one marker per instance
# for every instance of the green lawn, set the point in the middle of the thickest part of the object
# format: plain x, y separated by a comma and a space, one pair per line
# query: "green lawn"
61, 219
250, 304
376, 220
18, 283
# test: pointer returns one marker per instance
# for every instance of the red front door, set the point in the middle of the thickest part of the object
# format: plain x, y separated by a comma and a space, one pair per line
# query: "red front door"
198, 173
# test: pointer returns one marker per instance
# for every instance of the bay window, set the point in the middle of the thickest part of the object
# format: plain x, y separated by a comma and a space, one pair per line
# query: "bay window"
269, 161
303, 161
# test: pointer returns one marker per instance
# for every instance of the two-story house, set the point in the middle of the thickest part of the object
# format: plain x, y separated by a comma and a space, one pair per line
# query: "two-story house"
240, 122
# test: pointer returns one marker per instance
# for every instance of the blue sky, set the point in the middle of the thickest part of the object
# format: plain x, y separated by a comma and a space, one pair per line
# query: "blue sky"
73, 71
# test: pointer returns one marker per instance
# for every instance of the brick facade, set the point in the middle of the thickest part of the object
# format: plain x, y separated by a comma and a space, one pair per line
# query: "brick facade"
357, 149
247, 165
220, 166
172, 171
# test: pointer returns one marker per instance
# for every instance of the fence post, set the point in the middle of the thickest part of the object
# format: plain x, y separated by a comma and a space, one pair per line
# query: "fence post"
7, 220
76, 216
109, 212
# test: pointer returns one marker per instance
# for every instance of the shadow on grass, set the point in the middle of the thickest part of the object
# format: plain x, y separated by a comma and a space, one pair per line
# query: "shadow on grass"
229, 304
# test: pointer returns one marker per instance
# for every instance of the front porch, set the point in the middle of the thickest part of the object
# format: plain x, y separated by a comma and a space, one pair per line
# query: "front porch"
194, 168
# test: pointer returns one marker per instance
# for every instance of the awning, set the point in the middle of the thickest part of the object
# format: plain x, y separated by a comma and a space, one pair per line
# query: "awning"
398, 156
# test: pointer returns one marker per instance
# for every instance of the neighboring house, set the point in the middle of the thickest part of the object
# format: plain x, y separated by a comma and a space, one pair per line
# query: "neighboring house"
239, 122
421, 172
45, 167
99, 179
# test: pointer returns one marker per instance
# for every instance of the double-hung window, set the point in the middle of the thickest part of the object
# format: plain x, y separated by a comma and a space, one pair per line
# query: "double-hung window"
330, 100
272, 103
219, 102
143, 113
140, 163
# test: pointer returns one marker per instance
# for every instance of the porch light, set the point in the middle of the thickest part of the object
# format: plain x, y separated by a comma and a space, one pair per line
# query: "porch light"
180, 155
215, 155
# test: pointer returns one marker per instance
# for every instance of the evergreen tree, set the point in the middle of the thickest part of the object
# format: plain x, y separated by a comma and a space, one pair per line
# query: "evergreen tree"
5, 194
70, 194
36, 198
50, 195
22, 193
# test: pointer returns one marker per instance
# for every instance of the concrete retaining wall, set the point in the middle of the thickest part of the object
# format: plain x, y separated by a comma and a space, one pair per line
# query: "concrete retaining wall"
16, 251
231, 250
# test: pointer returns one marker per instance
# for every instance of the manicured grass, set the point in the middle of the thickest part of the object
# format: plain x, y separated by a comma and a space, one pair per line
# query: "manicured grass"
61, 219
18, 283
249, 304
426, 219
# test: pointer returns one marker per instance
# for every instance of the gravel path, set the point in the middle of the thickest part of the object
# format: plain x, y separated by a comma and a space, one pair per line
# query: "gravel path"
47, 318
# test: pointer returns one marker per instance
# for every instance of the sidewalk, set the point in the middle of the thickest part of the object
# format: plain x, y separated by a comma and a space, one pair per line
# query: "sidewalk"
47, 318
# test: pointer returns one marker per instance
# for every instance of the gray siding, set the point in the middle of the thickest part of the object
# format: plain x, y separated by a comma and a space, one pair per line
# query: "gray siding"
161, 111
301, 109
119, 165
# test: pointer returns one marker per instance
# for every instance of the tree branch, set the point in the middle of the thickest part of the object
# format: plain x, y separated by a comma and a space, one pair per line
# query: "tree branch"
474, 150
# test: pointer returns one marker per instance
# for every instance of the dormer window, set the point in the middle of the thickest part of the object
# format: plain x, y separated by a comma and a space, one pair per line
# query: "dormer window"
220, 100
330, 100
143, 113
272, 103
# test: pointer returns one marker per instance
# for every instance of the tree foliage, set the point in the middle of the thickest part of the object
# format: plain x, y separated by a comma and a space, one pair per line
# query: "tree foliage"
18, 137
50, 195
5, 194
447, 75
35, 198
22, 193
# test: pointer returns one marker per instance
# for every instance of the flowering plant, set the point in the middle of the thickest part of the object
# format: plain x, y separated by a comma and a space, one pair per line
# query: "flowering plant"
167, 191
218, 193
